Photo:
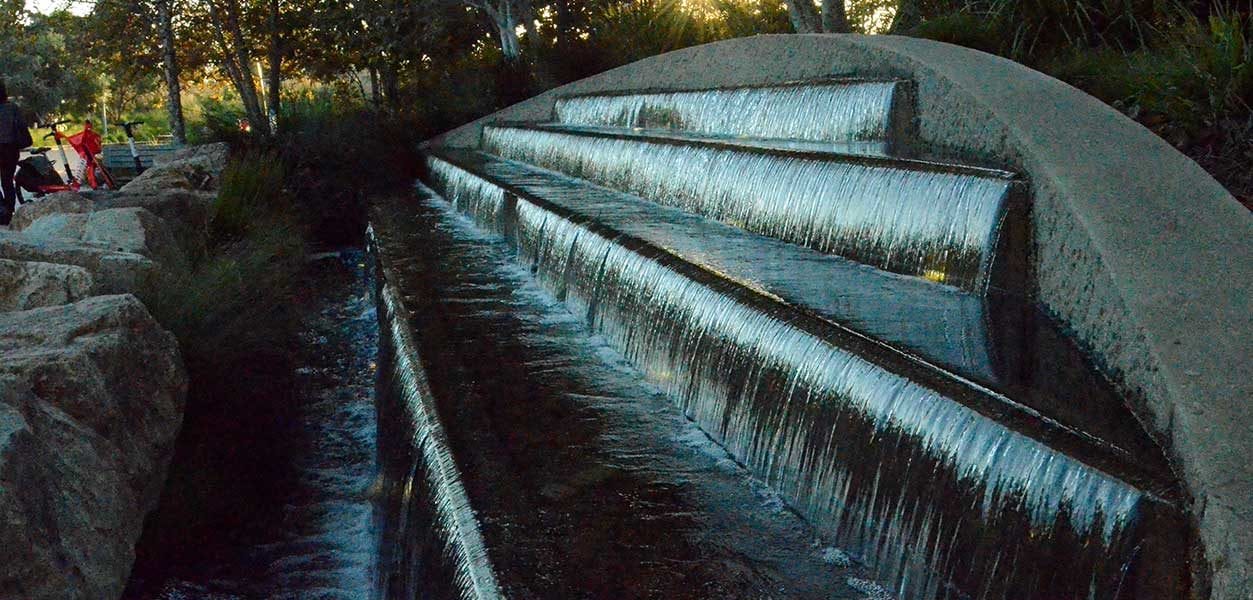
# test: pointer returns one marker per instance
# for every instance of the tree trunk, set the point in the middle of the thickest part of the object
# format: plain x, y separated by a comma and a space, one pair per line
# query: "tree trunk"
173, 89
804, 16
376, 92
275, 87
391, 84
834, 18
907, 17
507, 28
238, 61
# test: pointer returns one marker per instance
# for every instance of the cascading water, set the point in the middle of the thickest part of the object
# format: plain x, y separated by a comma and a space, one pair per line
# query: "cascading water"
558, 472
838, 112
939, 498
432, 546
272, 491
940, 224
947, 326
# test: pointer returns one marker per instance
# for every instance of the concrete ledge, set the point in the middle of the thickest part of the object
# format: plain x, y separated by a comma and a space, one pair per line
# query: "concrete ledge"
1139, 251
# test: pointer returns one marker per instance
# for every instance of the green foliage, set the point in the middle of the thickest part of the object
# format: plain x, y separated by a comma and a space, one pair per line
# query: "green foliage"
329, 155
740, 18
39, 62
1036, 31
1194, 88
1200, 78
628, 30
220, 121
229, 309
252, 191
339, 153
1188, 78
964, 29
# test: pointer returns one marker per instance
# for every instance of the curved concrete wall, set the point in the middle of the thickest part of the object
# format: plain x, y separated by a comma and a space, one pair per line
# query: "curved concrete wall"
1139, 251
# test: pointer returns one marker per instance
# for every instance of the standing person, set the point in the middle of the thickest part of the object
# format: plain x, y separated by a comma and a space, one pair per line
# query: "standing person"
14, 136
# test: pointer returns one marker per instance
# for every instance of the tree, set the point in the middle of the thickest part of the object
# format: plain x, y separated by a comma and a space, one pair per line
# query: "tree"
169, 64
507, 16
806, 19
275, 86
234, 54
38, 63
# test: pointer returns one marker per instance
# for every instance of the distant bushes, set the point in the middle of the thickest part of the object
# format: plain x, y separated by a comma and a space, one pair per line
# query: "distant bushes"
328, 156
1184, 72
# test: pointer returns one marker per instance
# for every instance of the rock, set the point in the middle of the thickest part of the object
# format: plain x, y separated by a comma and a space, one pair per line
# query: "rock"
58, 226
187, 212
91, 400
61, 202
194, 168
169, 177
214, 156
111, 271
132, 230
25, 285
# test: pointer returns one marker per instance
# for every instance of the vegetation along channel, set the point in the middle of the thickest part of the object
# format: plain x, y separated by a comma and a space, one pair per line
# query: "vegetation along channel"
692, 299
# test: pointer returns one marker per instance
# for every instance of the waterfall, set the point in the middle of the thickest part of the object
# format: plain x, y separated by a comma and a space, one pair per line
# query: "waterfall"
936, 224
432, 543
935, 495
819, 113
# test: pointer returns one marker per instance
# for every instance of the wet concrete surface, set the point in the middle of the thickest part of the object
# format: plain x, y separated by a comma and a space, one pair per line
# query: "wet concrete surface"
586, 481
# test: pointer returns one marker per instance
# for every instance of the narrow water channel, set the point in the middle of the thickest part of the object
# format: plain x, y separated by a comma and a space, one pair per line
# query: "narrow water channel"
270, 494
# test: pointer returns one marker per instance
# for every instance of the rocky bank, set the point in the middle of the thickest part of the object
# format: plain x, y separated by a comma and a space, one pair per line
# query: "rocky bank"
91, 386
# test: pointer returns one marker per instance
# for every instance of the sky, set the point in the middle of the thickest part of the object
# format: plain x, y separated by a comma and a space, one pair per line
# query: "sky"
46, 6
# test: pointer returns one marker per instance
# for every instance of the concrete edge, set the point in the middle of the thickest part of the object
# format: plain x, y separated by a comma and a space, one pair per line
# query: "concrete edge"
1136, 249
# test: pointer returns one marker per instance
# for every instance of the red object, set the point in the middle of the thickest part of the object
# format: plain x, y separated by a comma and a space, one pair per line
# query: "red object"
87, 141
88, 144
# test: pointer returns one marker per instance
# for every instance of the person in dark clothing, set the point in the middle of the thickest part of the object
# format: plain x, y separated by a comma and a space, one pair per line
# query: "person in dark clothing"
14, 136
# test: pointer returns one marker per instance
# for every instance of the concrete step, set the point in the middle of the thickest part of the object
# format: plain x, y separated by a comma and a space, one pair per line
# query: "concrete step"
795, 397
531, 463
949, 223
831, 111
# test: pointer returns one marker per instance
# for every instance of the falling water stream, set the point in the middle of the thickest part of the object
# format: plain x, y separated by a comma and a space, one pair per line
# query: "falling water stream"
897, 461
696, 344
272, 497
834, 112
939, 224
527, 459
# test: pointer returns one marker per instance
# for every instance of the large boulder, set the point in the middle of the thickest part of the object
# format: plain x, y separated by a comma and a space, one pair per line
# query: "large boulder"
91, 400
111, 271
133, 230
186, 211
194, 168
25, 285
213, 156
61, 202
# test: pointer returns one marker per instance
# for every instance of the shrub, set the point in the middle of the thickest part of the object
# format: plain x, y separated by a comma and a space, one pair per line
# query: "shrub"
252, 191
219, 121
229, 308
338, 153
